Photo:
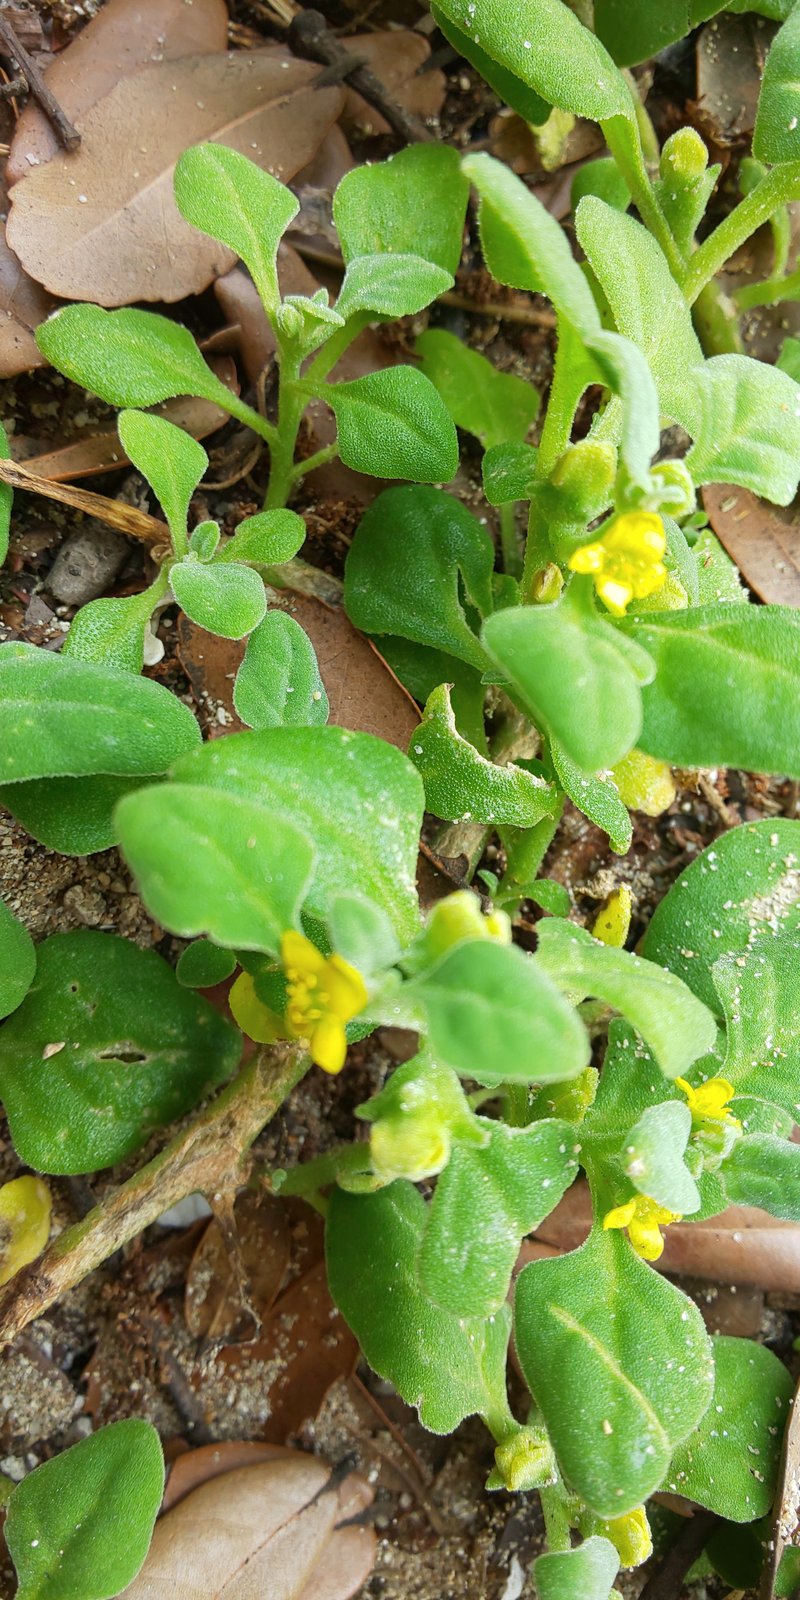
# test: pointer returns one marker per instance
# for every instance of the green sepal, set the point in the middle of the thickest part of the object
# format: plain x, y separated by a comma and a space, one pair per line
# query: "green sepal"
202, 965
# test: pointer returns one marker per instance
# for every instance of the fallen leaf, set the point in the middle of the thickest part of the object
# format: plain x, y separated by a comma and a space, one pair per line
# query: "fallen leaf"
786, 1521
23, 305
742, 1246
512, 140
271, 1529
763, 540
395, 58
124, 36
304, 1348
102, 224
730, 62
363, 691
191, 1468
213, 1305
102, 452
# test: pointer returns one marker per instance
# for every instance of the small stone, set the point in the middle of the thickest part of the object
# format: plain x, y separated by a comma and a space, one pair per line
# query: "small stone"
87, 563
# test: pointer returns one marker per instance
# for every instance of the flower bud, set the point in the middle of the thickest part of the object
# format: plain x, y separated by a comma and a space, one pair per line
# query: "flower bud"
547, 584
684, 157
631, 1537
524, 1461
583, 480
677, 496
644, 783
414, 1146
459, 917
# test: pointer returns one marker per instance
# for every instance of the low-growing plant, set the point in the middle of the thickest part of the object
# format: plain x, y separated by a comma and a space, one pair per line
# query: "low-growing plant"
615, 644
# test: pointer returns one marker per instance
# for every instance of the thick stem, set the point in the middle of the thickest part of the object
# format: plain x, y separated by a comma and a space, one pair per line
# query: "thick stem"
291, 406
716, 323
780, 186
556, 1520
210, 1155
329, 452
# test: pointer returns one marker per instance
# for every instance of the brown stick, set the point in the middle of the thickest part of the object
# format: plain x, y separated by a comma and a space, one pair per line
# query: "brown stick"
666, 1581
136, 524
210, 1156
309, 36
11, 48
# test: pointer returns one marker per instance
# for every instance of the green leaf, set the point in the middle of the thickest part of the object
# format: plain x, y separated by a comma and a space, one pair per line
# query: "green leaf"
645, 301
227, 600
618, 1361
393, 424
777, 132
17, 961
278, 683
730, 1463
507, 86
508, 472
496, 407
358, 798
66, 718
74, 816
170, 459
449, 1367
634, 33
412, 550
757, 993
725, 692
413, 204
653, 1158
362, 933
6, 499
105, 1048
128, 357
203, 964
543, 43
112, 632
391, 285
494, 1015
718, 579
268, 539
597, 797
79, 1526
568, 674
677, 1027
250, 869
461, 784
588, 1572
204, 539
230, 198
623, 367
524, 245
747, 883
486, 1200
744, 418
764, 1171
602, 180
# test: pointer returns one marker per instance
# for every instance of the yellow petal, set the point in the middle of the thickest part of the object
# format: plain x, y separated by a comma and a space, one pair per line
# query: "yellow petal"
300, 956
589, 558
620, 1216
328, 1044
345, 988
25, 1207
645, 1236
253, 1017
617, 596
612, 925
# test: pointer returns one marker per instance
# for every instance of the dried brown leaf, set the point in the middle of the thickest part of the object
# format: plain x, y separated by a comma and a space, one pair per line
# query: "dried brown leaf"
23, 305
786, 1521
213, 1304
730, 62
191, 1468
124, 36
395, 57
763, 540
742, 1246
305, 1347
270, 1529
102, 224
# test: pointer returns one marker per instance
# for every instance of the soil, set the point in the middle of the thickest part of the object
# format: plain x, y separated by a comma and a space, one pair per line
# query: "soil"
119, 1344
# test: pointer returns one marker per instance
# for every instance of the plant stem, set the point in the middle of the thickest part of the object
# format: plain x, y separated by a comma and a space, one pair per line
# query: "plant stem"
556, 1520
779, 186
329, 452
512, 561
208, 1156
770, 292
249, 416
716, 323
307, 1179
624, 141
291, 406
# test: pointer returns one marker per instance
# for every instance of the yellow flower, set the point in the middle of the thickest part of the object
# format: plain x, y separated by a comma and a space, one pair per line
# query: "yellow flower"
627, 563
612, 924
709, 1102
24, 1223
252, 1016
644, 783
644, 1220
323, 993
631, 1536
